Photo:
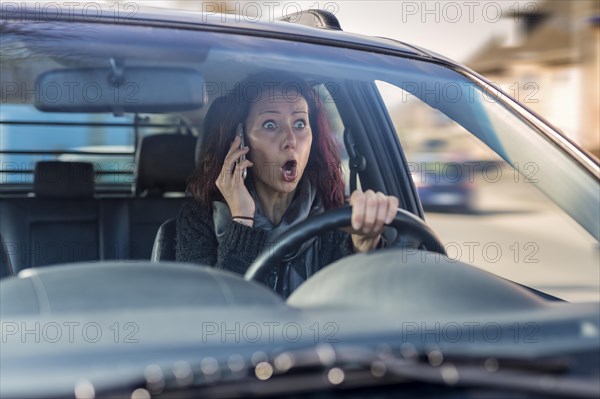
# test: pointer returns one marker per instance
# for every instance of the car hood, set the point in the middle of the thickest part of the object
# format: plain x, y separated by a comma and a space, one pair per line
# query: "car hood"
115, 349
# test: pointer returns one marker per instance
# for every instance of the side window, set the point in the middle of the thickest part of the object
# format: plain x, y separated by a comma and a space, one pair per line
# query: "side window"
486, 213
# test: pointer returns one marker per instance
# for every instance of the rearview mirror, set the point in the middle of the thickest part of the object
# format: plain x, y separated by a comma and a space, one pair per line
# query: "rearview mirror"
129, 89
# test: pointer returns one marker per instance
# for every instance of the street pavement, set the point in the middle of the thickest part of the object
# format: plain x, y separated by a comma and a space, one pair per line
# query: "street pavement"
514, 231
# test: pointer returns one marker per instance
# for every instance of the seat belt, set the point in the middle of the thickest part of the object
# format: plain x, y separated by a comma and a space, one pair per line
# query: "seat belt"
356, 162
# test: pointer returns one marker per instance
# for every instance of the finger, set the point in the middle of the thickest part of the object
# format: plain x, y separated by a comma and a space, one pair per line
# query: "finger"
245, 164
235, 144
357, 201
227, 173
392, 209
382, 211
370, 212
239, 169
232, 157
235, 153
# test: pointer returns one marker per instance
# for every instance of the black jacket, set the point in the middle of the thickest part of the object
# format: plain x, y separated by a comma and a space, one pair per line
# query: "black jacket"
197, 242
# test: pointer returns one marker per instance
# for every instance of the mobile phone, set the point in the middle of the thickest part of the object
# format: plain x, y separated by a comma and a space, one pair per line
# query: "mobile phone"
240, 132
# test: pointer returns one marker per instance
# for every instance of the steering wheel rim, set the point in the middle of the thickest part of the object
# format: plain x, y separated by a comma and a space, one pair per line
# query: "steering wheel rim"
270, 258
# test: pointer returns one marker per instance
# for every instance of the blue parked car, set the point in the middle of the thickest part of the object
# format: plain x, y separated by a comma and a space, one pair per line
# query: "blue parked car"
444, 182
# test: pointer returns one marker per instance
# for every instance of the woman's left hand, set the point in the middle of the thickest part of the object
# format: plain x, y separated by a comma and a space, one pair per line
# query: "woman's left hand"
371, 211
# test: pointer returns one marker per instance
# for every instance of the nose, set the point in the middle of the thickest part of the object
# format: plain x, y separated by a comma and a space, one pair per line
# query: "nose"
289, 141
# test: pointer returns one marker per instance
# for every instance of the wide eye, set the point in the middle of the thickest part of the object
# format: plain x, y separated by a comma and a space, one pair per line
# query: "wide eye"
299, 124
269, 125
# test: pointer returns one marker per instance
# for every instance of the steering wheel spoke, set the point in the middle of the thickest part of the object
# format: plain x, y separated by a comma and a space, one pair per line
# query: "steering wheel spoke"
268, 267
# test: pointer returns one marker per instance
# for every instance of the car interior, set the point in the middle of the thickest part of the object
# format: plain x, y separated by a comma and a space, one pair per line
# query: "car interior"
65, 222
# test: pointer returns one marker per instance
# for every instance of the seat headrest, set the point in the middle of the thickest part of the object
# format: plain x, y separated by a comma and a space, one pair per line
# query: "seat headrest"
56, 179
164, 162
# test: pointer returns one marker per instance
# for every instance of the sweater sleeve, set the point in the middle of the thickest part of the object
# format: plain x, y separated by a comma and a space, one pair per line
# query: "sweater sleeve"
336, 245
197, 242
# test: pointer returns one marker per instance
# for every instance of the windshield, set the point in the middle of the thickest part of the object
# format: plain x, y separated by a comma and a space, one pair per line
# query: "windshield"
446, 100
487, 198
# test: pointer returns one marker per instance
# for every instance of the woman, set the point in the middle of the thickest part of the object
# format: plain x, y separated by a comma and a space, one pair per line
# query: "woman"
293, 172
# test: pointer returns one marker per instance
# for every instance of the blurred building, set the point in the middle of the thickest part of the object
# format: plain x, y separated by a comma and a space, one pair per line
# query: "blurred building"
552, 65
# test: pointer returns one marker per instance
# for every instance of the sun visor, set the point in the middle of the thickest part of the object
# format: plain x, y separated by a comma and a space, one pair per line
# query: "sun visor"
120, 90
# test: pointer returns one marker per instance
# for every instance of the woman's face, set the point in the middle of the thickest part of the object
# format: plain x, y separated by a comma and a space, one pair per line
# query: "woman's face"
279, 136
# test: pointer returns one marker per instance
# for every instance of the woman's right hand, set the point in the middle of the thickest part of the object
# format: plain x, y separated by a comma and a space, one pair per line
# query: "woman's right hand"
231, 184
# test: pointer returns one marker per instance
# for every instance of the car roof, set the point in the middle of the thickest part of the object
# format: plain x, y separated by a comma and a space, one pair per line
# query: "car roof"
232, 23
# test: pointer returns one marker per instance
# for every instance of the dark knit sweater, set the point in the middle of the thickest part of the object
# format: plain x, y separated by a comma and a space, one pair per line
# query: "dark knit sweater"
197, 242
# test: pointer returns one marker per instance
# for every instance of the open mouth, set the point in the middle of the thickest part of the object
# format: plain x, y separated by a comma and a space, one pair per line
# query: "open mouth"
289, 170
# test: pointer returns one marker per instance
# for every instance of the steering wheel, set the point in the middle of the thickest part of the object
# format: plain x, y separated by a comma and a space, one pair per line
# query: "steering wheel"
269, 263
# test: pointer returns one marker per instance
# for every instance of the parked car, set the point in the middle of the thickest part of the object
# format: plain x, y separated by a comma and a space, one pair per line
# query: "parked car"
85, 312
442, 180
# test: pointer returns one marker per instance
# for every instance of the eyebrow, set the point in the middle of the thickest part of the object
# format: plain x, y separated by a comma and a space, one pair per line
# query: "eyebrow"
277, 112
